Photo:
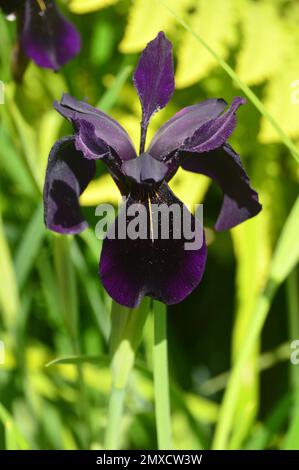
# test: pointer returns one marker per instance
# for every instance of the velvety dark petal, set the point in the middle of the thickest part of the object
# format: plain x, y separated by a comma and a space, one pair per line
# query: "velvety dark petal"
157, 267
154, 77
68, 174
214, 133
88, 143
10, 6
145, 169
182, 126
47, 37
105, 129
224, 166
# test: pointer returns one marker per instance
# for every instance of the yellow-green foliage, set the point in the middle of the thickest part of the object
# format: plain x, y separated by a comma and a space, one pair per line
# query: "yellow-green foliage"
146, 18
217, 29
87, 6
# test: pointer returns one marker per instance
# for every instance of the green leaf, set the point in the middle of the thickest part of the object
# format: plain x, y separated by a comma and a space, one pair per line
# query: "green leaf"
282, 102
246, 90
215, 20
286, 256
93, 290
13, 165
29, 246
255, 60
184, 180
14, 439
291, 441
266, 431
111, 95
252, 247
9, 296
88, 6
146, 19
101, 361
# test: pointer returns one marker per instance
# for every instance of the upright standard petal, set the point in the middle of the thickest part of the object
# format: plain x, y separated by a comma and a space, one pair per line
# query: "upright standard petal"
240, 201
175, 132
154, 78
68, 174
213, 134
103, 130
47, 37
162, 268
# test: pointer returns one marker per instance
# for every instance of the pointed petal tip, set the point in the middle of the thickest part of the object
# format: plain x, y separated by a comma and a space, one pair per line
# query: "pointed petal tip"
154, 76
223, 224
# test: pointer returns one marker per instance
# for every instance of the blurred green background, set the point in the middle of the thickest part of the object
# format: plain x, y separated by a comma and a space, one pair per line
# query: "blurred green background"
51, 302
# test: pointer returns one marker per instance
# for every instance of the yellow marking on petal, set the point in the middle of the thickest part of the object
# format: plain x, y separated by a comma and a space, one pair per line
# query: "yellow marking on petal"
41, 5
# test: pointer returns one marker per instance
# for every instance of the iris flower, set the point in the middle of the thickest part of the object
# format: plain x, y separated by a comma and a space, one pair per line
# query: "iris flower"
44, 34
194, 138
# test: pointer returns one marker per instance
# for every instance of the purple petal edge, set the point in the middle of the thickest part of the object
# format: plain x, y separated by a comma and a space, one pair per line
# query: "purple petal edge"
154, 76
47, 37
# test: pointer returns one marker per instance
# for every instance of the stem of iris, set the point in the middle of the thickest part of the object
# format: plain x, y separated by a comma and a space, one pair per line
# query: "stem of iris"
126, 334
161, 380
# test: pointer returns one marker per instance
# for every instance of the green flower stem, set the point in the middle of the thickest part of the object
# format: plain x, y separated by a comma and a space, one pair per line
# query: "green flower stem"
126, 334
115, 413
161, 380
69, 306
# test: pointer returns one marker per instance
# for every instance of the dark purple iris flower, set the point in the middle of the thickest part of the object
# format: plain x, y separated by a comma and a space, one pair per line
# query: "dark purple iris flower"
194, 138
45, 35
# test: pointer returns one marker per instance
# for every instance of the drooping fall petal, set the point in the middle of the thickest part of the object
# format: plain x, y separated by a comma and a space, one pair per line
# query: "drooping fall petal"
240, 201
68, 174
161, 268
172, 135
213, 134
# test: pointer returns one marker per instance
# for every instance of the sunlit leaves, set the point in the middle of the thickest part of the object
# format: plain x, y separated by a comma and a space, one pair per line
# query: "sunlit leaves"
88, 6
146, 18
263, 33
215, 21
282, 101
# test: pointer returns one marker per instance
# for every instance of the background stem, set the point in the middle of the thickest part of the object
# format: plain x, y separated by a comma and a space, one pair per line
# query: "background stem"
161, 380
126, 334
69, 306
115, 413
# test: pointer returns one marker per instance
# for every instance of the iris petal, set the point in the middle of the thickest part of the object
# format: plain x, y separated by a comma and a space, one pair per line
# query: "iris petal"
182, 126
160, 268
104, 128
47, 37
224, 166
154, 76
214, 133
68, 174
